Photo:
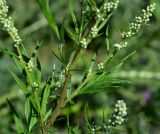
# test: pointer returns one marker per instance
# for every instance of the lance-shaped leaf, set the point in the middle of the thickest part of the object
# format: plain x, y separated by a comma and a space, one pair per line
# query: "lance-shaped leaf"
107, 43
100, 83
47, 115
44, 4
38, 64
32, 123
104, 22
71, 34
86, 115
46, 93
27, 109
18, 122
19, 82
18, 64
70, 5
8, 52
61, 46
23, 87
38, 72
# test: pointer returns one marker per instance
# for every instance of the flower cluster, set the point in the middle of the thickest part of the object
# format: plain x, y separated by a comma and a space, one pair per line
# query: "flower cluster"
143, 18
35, 85
117, 118
3, 9
30, 65
108, 6
86, 10
94, 31
100, 66
98, 13
60, 79
120, 45
119, 115
120, 112
84, 43
8, 23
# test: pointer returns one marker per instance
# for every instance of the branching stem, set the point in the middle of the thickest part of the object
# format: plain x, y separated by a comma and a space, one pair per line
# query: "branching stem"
62, 99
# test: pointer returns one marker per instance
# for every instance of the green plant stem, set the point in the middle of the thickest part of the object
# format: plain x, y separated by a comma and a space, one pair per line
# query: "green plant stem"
76, 92
62, 99
60, 105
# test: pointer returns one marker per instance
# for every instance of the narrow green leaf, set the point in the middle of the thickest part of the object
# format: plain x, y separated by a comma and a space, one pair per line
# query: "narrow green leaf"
81, 27
56, 56
8, 52
75, 129
24, 51
35, 52
18, 64
128, 56
25, 58
62, 31
70, 4
32, 123
61, 46
91, 66
45, 96
44, 4
19, 125
71, 34
93, 61
116, 68
47, 115
27, 109
69, 91
86, 115
32, 102
38, 72
19, 82
18, 122
104, 22
93, 5
12, 107
100, 83
23, 88
68, 125
107, 40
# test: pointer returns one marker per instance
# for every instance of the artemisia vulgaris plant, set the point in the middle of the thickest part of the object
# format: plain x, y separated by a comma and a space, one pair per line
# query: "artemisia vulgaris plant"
97, 78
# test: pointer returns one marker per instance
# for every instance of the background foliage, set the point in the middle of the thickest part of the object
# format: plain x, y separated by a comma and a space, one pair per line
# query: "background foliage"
142, 69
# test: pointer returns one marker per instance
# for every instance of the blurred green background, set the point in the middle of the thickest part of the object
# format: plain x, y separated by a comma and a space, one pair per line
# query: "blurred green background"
142, 69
